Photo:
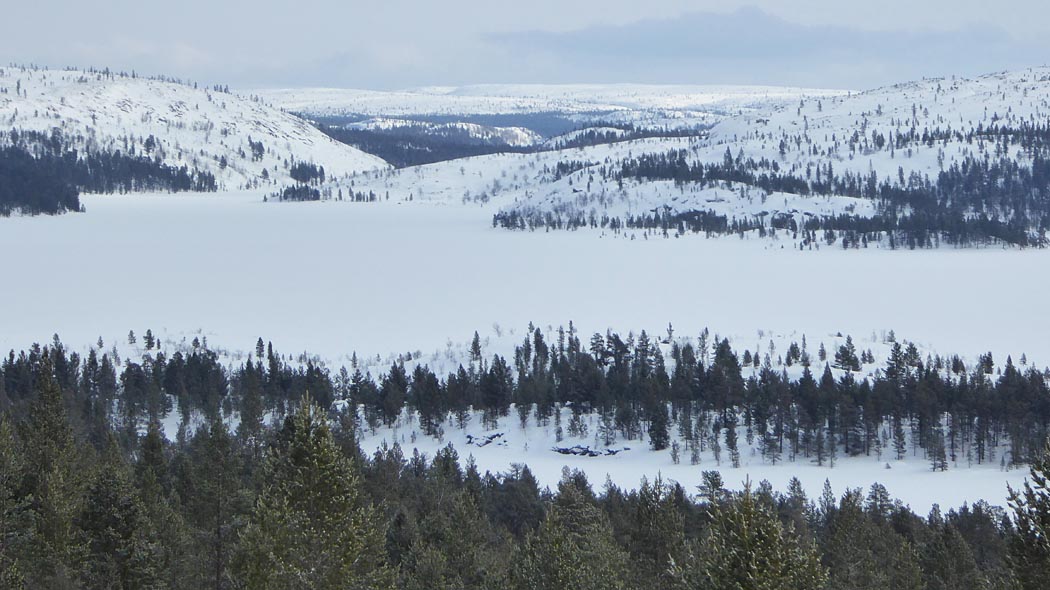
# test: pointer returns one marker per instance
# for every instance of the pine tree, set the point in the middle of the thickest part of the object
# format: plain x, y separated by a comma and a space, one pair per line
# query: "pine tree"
948, 560
938, 453
214, 502
573, 549
250, 428
393, 392
900, 443
659, 437
119, 548
657, 534
1030, 549
747, 548
447, 543
731, 442
311, 526
846, 356
174, 543
53, 484
12, 509
863, 554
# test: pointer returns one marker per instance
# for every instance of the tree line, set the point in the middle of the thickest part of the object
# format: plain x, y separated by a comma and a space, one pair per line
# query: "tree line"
408, 145
42, 173
296, 504
698, 396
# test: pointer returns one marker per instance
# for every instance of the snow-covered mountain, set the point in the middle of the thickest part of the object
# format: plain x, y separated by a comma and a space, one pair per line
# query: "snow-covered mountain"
207, 129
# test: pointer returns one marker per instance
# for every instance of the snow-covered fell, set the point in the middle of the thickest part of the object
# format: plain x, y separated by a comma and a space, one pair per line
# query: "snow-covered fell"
842, 129
191, 126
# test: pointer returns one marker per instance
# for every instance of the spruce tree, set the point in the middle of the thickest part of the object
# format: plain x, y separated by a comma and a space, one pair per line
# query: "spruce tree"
311, 526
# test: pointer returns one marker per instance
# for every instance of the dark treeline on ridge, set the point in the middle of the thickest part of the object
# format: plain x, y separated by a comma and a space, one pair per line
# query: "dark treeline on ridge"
411, 145
42, 173
93, 495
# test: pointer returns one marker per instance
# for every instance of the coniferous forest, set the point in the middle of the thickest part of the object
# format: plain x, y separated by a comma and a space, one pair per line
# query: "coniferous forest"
43, 173
94, 495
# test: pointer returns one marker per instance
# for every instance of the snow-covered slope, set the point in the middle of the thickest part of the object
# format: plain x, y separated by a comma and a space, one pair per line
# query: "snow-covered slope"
858, 132
191, 126
529, 183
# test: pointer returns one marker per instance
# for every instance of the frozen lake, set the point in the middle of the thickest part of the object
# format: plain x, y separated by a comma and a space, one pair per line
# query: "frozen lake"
335, 277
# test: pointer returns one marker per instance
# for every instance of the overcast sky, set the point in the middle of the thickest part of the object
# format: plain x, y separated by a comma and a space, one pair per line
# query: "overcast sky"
400, 43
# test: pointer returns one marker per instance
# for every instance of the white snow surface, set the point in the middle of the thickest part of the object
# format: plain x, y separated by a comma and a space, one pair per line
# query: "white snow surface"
192, 126
910, 480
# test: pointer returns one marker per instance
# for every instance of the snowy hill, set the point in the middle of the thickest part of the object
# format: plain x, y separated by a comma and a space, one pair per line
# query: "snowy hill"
903, 135
532, 183
205, 129
860, 132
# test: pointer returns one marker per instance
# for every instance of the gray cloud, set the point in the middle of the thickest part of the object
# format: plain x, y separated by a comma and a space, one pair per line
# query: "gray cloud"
400, 43
750, 46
